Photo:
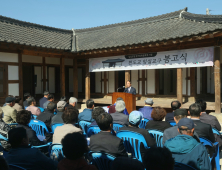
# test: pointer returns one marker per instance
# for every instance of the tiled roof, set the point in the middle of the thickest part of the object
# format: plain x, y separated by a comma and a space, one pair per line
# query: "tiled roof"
26, 33
159, 28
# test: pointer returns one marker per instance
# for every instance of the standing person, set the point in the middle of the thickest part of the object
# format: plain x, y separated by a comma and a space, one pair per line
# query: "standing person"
44, 99
170, 116
129, 88
9, 112
17, 105
147, 109
32, 106
49, 99
26, 96
86, 115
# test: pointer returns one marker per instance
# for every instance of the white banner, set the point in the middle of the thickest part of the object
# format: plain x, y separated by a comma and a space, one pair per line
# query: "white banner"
198, 57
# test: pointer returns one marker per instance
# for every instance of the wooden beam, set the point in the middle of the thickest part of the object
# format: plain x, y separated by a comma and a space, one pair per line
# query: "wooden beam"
179, 85
87, 81
193, 82
127, 76
62, 77
105, 82
75, 78
217, 82
20, 75
44, 74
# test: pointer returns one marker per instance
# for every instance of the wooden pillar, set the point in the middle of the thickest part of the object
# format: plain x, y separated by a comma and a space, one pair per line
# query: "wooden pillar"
192, 82
179, 85
44, 74
20, 75
62, 77
127, 76
87, 81
143, 82
105, 82
75, 78
217, 83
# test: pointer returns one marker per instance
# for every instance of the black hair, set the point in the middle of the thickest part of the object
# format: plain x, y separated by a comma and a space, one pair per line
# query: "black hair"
70, 115
27, 95
17, 99
119, 98
63, 98
50, 96
202, 104
158, 158
51, 106
46, 93
126, 163
89, 103
74, 145
178, 117
195, 110
16, 135
23, 117
104, 120
3, 163
30, 100
97, 111
175, 105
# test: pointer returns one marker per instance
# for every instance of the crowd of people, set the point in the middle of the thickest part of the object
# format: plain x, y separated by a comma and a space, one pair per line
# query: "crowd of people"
181, 143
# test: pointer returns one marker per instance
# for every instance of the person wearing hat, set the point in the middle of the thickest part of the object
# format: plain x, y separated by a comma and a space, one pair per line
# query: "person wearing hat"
147, 109
32, 106
60, 109
135, 118
172, 131
9, 112
186, 149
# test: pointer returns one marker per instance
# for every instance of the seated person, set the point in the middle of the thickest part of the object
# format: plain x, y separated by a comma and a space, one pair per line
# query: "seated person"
63, 98
202, 129
70, 117
74, 146
172, 131
112, 107
186, 149
104, 141
86, 115
3, 163
18, 104
95, 113
9, 112
157, 158
157, 123
49, 99
174, 105
23, 119
147, 109
72, 102
44, 99
26, 96
118, 116
124, 163
135, 118
60, 109
32, 106
23, 155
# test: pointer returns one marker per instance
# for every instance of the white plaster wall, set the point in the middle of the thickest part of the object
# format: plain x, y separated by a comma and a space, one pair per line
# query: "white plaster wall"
208, 79
68, 62
8, 57
80, 85
150, 81
198, 80
98, 82
46, 76
212, 81
70, 79
111, 81
134, 78
13, 89
13, 72
184, 81
51, 79
38, 72
49, 60
31, 59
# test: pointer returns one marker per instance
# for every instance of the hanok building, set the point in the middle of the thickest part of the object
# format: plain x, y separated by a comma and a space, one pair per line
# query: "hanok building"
174, 55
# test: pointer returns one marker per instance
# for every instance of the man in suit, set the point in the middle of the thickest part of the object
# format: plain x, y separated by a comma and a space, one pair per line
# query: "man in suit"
170, 116
129, 89
104, 141
119, 116
9, 112
203, 130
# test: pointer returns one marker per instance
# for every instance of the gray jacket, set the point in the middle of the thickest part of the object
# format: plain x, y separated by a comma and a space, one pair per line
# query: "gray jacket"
120, 118
209, 119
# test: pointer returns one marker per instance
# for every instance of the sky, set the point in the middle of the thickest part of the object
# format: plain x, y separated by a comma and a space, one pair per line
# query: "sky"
78, 14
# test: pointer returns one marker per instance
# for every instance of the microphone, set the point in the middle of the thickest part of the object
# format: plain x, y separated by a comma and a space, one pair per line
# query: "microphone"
120, 88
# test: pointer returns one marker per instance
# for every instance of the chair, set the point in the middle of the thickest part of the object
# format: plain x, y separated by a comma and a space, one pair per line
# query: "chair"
84, 125
55, 150
1, 148
116, 126
173, 123
102, 160
93, 130
15, 167
53, 127
25, 108
38, 126
143, 123
158, 135
216, 154
132, 142
182, 166
13, 124
34, 116
41, 109
216, 131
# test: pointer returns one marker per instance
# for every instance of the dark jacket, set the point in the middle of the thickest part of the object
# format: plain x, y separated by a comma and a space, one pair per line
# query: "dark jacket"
120, 118
204, 130
25, 104
146, 111
187, 150
209, 119
132, 90
149, 140
57, 118
42, 101
169, 117
157, 125
30, 159
46, 117
33, 140
107, 143
173, 132
86, 115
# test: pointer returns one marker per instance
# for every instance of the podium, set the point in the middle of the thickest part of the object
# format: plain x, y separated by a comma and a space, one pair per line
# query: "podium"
129, 99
